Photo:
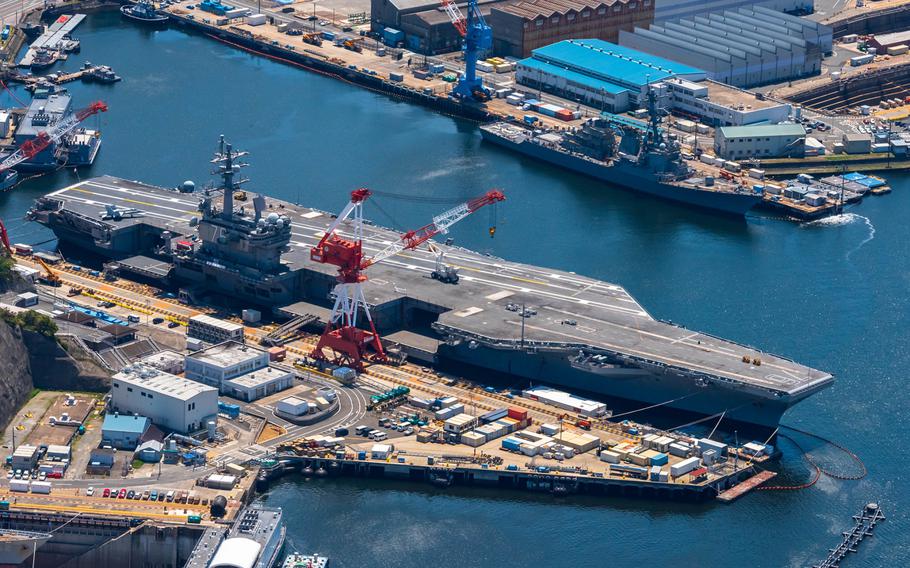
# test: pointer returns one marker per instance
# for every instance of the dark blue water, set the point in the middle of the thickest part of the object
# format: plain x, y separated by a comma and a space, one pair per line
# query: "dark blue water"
833, 295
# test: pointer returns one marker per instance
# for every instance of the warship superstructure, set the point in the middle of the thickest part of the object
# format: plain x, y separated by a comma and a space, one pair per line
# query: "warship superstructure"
627, 154
538, 324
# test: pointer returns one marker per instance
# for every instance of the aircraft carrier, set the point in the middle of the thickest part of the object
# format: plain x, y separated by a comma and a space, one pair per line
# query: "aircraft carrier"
539, 324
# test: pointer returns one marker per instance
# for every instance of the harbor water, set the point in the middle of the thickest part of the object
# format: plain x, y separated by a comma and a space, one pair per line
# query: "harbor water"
832, 294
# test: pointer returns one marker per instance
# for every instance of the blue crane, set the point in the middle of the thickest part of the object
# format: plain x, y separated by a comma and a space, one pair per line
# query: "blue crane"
478, 36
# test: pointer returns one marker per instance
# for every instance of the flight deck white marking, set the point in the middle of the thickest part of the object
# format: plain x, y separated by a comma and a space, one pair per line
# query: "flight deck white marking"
500, 295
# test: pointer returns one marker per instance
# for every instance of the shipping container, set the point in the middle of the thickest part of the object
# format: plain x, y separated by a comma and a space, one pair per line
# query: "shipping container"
397, 77
494, 415
329, 36
685, 125
255, 19
679, 450
862, 60
660, 459
20, 485
565, 115
24, 250
519, 414
511, 444
609, 457
277, 353
684, 466
251, 315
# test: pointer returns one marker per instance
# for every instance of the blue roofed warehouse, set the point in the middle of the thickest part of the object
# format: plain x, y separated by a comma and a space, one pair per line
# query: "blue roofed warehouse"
598, 73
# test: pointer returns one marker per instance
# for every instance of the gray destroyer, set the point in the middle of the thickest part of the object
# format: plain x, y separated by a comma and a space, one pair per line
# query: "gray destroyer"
537, 324
625, 154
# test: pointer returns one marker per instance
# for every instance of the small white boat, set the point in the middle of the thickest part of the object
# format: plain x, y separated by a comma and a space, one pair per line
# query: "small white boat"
298, 560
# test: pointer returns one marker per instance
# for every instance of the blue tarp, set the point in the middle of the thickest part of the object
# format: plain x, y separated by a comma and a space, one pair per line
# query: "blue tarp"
853, 176
870, 182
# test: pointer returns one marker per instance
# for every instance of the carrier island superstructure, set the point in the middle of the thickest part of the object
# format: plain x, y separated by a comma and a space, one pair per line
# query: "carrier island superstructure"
538, 324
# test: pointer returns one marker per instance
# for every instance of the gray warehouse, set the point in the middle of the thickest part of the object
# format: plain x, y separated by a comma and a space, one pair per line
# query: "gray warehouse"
745, 47
677, 9
761, 141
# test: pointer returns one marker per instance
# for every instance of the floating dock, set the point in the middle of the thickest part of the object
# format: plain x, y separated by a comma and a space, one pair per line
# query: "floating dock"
746, 486
443, 472
53, 38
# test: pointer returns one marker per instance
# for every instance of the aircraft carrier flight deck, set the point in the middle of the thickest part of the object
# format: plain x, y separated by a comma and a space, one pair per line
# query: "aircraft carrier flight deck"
594, 329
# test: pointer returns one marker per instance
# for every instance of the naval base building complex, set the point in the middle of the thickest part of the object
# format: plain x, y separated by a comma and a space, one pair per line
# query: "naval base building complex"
171, 402
237, 370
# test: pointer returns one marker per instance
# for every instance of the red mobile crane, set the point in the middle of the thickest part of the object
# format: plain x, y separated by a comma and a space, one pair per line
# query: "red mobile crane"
31, 148
342, 336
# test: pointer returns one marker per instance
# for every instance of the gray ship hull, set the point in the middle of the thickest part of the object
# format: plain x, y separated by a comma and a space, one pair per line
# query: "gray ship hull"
642, 386
628, 176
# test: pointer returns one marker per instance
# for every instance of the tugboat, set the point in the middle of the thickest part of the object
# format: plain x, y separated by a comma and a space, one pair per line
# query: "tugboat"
99, 73
298, 560
43, 59
143, 11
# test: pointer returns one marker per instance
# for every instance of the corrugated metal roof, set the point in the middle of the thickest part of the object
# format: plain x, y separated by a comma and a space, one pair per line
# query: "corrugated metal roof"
895, 38
122, 423
610, 61
763, 130
574, 76
533, 9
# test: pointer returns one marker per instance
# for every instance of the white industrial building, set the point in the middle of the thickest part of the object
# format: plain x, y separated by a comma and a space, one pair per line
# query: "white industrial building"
237, 370
717, 104
675, 9
214, 330
745, 47
170, 401
760, 141
566, 401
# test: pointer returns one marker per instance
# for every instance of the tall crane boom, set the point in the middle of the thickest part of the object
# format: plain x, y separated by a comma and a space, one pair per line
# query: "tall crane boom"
342, 336
31, 148
440, 224
478, 36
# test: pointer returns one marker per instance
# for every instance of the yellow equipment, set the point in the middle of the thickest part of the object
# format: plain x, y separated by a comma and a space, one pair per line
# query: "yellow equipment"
49, 277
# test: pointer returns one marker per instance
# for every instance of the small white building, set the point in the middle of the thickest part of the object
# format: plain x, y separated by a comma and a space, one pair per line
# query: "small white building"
293, 406
459, 423
717, 104
214, 330
566, 401
171, 402
237, 370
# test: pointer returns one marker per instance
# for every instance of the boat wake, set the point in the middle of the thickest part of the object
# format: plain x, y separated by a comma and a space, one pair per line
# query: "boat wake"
451, 167
847, 219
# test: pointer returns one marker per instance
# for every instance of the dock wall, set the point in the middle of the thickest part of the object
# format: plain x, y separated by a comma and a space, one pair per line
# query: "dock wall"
526, 480
317, 62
